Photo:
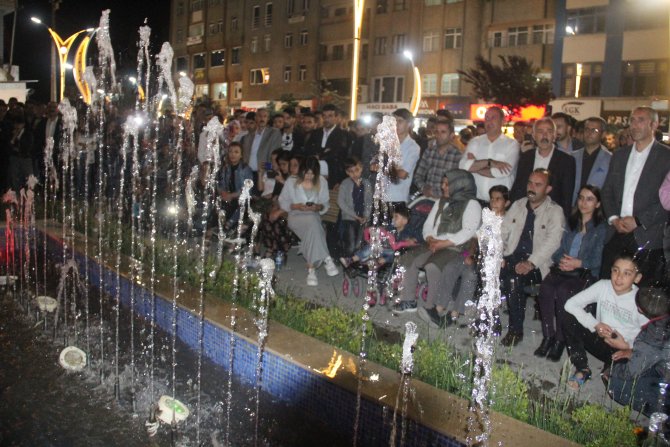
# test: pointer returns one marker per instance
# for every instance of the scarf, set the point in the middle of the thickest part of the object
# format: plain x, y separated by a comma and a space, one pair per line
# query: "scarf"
462, 189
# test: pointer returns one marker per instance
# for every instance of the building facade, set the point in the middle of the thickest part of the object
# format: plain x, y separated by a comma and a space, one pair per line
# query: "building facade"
250, 52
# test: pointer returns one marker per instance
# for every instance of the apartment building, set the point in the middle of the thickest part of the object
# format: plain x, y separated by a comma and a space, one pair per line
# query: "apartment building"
611, 56
297, 46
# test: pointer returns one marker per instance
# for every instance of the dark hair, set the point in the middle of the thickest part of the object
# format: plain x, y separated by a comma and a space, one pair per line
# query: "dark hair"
569, 120
443, 122
235, 144
502, 189
350, 162
444, 114
277, 152
501, 112
310, 164
298, 157
575, 219
289, 111
627, 255
404, 114
308, 114
250, 116
330, 108
543, 172
402, 209
284, 156
652, 301
596, 119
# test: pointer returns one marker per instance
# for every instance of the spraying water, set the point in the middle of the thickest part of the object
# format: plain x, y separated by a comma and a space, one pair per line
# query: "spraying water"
263, 300
406, 367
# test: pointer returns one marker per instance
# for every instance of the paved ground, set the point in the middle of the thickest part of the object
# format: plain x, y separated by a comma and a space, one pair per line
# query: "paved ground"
541, 372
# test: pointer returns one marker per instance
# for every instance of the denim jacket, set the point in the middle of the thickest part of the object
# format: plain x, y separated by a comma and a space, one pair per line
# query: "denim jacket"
242, 173
591, 250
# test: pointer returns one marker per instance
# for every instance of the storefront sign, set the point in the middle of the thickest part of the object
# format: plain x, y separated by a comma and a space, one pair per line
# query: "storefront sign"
383, 107
577, 108
622, 118
477, 112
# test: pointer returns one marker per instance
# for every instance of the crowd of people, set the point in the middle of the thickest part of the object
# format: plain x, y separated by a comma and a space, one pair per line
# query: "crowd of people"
584, 211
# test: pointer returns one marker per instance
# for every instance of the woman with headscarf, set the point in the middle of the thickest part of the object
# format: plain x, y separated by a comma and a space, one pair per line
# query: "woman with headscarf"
451, 224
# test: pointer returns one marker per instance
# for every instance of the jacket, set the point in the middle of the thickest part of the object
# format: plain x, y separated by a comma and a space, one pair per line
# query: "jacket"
591, 250
650, 350
270, 141
242, 173
345, 199
598, 172
547, 231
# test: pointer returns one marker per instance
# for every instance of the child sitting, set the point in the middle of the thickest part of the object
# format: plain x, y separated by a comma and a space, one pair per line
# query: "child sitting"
636, 381
404, 236
355, 201
616, 316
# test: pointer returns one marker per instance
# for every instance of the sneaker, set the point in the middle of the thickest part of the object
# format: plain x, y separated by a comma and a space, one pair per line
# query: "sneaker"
312, 280
331, 268
404, 306
346, 262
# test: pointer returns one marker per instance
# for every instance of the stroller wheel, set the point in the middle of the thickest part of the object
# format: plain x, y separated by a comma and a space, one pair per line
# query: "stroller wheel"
356, 286
346, 284
423, 292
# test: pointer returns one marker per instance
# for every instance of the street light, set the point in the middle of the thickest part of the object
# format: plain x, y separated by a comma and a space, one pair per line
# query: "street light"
416, 92
359, 6
63, 47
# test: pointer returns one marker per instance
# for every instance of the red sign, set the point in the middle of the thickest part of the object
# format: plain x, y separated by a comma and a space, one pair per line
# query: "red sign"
477, 112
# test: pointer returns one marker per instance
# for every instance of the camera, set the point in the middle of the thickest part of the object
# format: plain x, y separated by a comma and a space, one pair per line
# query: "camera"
309, 203
271, 174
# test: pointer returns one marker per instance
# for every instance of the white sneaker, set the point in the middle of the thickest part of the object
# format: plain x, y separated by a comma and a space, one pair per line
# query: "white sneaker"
331, 268
312, 280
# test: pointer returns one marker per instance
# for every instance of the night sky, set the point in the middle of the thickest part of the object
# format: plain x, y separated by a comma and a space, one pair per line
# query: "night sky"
33, 43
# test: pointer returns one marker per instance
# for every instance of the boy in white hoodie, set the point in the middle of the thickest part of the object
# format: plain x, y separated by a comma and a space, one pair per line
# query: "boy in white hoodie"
616, 316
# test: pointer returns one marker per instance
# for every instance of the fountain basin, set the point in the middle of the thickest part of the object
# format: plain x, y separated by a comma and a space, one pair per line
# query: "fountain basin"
171, 410
72, 358
46, 303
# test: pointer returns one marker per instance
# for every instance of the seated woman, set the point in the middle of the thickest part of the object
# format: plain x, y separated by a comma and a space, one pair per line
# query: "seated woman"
231, 181
274, 232
305, 198
576, 263
452, 222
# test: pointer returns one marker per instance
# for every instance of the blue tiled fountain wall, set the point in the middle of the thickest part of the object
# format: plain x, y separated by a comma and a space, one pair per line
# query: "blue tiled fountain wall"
312, 393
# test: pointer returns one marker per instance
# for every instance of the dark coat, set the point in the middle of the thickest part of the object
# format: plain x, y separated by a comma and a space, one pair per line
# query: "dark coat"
335, 151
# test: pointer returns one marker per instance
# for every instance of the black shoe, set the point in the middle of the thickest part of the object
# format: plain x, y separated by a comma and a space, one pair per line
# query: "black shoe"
432, 317
545, 346
511, 339
556, 351
405, 306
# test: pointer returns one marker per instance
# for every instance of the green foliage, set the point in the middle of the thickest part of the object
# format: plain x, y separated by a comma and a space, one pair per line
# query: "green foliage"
288, 101
594, 426
510, 393
513, 84
336, 327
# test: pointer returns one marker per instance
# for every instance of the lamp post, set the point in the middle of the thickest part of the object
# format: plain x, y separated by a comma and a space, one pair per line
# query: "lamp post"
63, 48
359, 6
416, 92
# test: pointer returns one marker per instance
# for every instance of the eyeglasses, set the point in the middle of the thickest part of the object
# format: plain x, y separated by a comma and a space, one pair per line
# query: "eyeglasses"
592, 129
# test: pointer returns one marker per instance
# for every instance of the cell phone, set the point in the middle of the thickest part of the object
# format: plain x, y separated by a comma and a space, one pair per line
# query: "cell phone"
309, 203
528, 137
268, 166
271, 174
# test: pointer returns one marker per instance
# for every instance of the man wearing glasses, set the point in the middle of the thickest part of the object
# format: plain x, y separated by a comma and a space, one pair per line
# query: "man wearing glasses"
593, 161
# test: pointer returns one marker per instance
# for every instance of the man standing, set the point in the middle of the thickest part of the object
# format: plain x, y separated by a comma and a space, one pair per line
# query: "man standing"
531, 233
492, 158
631, 200
564, 125
593, 161
439, 158
398, 190
50, 126
545, 156
291, 138
259, 145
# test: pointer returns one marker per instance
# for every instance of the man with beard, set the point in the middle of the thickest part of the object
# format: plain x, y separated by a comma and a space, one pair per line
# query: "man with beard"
531, 233
546, 156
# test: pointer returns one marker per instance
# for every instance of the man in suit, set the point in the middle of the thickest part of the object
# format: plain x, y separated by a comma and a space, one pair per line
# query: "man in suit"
51, 125
564, 128
331, 144
631, 201
258, 145
593, 161
546, 156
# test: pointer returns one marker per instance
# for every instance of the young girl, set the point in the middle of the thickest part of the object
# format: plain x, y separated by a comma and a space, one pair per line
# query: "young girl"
305, 198
231, 182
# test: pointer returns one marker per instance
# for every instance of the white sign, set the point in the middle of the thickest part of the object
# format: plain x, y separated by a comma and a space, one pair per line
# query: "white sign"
580, 109
383, 107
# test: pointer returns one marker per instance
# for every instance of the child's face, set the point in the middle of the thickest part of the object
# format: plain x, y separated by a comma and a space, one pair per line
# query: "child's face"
283, 166
497, 203
234, 155
399, 221
294, 166
355, 172
624, 274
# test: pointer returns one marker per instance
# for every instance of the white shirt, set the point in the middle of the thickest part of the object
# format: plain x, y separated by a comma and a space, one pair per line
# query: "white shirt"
409, 152
326, 134
287, 141
51, 127
472, 219
634, 167
502, 148
253, 157
542, 162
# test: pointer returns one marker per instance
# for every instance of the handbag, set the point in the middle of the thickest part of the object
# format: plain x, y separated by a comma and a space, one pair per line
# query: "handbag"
580, 273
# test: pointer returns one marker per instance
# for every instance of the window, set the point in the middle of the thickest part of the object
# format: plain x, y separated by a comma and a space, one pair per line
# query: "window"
196, 5
644, 78
303, 37
382, 6
586, 20
380, 46
180, 35
259, 76
268, 14
288, 40
452, 38
296, 7
433, 2
543, 34
429, 86
234, 24
180, 8
237, 90
290, 8
431, 41
589, 81
253, 45
212, 28
199, 61
255, 17
217, 58
302, 73
517, 36
643, 18
287, 73
399, 5
235, 55
398, 43
388, 89
450, 84
182, 64
496, 39
338, 52
267, 42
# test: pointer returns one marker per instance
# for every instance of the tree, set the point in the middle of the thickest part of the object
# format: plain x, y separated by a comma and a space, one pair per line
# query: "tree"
513, 84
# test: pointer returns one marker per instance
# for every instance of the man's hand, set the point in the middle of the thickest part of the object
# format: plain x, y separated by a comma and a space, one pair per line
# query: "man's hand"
361, 220
617, 341
619, 226
437, 245
470, 156
629, 223
226, 196
622, 354
524, 267
604, 330
568, 263
502, 166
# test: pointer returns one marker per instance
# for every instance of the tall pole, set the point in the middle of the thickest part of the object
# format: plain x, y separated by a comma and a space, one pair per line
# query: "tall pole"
55, 4
359, 7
